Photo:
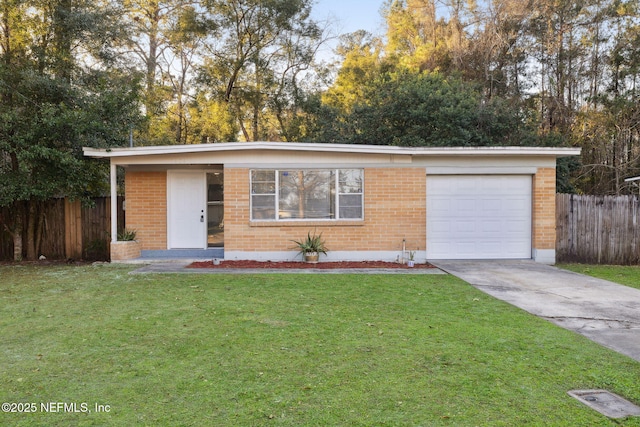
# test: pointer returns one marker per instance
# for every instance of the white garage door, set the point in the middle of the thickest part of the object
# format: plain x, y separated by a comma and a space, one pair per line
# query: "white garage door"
478, 216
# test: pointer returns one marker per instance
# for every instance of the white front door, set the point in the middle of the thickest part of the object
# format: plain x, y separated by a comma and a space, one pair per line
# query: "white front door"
478, 216
186, 210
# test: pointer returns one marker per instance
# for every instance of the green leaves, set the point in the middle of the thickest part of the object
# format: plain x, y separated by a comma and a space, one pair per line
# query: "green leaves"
53, 103
425, 109
311, 244
263, 49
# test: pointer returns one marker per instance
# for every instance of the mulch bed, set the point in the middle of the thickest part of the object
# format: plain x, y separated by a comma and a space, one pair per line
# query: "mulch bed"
303, 265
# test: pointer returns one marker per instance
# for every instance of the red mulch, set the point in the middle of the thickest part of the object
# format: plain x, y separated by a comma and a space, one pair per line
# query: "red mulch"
299, 264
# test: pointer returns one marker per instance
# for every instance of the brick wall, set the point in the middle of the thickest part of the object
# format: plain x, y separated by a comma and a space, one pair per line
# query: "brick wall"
395, 209
121, 251
146, 212
544, 209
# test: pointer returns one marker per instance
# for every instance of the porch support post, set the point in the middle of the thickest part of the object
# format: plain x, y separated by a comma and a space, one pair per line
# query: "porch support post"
114, 203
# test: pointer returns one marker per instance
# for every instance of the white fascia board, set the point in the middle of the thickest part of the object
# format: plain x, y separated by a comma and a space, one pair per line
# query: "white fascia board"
331, 148
244, 146
496, 151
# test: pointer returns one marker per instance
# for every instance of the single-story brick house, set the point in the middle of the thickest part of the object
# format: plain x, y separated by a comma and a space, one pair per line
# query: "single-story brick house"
250, 200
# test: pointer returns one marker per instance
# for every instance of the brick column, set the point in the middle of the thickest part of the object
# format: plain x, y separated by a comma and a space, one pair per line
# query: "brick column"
544, 216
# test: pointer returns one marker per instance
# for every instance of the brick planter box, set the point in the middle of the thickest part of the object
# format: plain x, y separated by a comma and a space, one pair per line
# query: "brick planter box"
122, 251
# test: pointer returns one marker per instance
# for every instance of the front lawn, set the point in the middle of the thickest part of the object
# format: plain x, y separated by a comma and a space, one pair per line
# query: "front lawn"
287, 350
625, 275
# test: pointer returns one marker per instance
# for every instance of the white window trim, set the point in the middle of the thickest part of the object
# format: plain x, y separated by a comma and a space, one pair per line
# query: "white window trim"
300, 220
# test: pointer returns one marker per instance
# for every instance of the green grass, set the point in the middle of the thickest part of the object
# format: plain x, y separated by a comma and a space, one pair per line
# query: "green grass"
625, 275
289, 350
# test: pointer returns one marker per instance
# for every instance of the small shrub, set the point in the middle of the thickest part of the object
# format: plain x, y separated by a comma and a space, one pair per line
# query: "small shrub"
97, 250
311, 244
126, 235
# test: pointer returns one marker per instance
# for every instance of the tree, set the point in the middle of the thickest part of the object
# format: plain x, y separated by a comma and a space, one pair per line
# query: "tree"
362, 63
496, 53
52, 106
210, 121
185, 37
416, 39
261, 49
163, 40
427, 109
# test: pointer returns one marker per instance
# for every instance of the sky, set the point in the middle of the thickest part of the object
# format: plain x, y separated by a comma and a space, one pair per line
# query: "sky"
350, 15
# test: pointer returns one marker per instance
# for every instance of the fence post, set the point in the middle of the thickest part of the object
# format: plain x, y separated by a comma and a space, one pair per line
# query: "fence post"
72, 229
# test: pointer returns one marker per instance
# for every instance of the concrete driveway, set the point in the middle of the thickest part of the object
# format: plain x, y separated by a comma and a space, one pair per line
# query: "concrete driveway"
602, 311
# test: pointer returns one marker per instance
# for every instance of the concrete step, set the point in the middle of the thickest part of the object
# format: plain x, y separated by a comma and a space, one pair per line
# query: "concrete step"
210, 253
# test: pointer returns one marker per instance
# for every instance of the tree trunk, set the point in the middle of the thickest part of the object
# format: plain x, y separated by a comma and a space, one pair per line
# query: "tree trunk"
180, 120
245, 133
7, 36
17, 245
255, 128
151, 98
16, 232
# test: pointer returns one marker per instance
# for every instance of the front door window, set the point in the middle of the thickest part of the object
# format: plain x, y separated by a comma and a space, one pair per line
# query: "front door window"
215, 209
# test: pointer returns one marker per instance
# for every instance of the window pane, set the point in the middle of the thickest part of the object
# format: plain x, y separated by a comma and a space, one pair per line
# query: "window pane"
263, 182
351, 206
350, 181
263, 176
263, 187
263, 207
263, 199
306, 194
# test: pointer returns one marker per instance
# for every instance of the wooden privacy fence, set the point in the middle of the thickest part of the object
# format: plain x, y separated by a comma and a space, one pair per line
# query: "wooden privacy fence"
72, 230
598, 229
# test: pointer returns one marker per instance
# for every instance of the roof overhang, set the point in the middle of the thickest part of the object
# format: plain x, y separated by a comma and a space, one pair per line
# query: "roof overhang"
288, 147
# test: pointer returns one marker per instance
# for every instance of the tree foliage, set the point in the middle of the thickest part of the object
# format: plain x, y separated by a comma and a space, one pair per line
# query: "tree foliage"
262, 48
425, 109
52, 105
249, 58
